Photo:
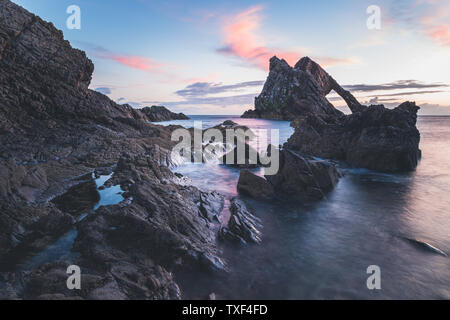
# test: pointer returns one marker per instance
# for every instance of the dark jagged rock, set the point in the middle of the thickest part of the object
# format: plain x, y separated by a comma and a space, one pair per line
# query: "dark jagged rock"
371, 137
299, 178
231, 125
211, 205
254, 186
243, 226
53, 129
292, 92
78, 199
160, 113
303, 178
377, 138
53, 132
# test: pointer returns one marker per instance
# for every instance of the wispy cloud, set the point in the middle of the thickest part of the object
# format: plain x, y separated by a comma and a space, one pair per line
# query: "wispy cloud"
241, 40
409, 93
128, 60
223, 101
430, 17
206, 88
396, 85
436, 20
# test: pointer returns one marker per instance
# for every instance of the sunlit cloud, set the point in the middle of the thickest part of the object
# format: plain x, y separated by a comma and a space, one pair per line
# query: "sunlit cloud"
128, 60
396, 85
440, 34
431, 18
241, 40
136, 62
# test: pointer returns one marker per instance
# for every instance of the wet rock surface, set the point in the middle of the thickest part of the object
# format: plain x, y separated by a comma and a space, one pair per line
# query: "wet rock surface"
243, 227
160, 113
299, 178
303, 178
255, 186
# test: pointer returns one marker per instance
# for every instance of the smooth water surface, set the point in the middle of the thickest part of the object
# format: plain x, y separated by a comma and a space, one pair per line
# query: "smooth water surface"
322, 250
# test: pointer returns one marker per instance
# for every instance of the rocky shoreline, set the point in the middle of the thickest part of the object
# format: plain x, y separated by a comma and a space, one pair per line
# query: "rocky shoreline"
57, 135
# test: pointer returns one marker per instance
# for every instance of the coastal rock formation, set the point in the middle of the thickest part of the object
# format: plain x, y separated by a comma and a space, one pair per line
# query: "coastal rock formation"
243, 226
160, 113
327, 83
53, 129
377, 138
302, 178
371, 137
299, 178
55, 132
292, 92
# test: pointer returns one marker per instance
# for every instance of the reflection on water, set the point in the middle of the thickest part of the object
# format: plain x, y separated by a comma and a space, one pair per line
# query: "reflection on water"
61, 248
322, 250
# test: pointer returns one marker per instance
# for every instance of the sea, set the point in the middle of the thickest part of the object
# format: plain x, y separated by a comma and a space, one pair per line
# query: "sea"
398, 224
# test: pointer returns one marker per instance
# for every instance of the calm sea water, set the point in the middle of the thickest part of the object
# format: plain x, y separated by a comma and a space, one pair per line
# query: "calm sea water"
322, 250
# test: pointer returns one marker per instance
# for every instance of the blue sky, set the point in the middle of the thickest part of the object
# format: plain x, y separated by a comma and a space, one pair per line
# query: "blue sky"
211, 57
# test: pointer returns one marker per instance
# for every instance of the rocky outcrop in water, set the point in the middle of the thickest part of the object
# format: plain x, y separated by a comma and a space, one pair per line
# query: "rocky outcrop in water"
303, 178
371, 137
161, 113
299, 178
327, 83
376, 138
254, 186
289, 92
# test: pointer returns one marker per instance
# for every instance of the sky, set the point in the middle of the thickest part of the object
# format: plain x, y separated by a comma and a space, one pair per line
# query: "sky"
212, 57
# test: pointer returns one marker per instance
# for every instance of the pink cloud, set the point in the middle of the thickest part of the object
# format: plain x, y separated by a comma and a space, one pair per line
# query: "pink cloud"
435, 21
440, 34
136, 62
131, 61
241, 40
436, 24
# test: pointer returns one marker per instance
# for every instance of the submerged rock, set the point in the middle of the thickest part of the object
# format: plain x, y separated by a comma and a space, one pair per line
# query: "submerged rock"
247, 157
243, 226
376, 138
426, 246
160, 113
